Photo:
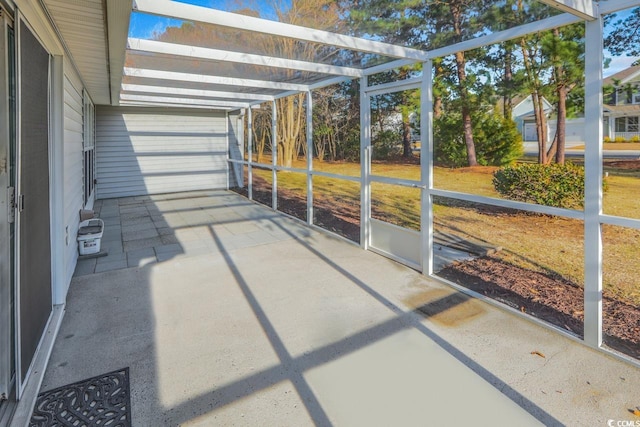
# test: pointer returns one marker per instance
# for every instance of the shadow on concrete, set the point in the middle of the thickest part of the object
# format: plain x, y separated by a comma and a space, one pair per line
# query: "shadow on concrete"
118, 323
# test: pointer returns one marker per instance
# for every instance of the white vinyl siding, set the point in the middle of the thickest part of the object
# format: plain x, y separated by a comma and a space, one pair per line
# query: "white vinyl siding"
142, 151
72, 169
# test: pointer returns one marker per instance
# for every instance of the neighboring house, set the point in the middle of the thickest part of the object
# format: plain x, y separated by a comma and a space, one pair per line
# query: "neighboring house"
524, 117
621, 111
622, 104
525, 120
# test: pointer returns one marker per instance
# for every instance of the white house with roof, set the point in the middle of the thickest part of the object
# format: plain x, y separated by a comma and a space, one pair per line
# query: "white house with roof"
622, 104
523, 116
525, 120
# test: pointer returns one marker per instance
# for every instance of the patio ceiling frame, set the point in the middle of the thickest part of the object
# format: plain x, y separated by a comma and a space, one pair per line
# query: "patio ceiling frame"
201, 93
146, 86
207, 79
183, 101
236, 21
170, 105
195, 52
407, 56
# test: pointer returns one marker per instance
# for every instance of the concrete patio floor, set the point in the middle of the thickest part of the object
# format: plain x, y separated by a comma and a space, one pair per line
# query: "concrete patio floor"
228, 313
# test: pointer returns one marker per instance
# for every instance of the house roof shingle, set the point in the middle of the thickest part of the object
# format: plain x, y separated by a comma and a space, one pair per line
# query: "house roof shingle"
623, 76
633, 109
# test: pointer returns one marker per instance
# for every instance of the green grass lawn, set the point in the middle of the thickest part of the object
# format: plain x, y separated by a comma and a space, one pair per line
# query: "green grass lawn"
547, 244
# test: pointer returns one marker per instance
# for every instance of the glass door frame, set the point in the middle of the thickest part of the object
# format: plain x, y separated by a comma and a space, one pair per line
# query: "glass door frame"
8, 331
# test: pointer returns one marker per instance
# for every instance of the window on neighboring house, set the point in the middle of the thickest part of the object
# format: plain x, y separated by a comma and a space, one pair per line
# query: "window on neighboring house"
627, 124
636, 98
88, 133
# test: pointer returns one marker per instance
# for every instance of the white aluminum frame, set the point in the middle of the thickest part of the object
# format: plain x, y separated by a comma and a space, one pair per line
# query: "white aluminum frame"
249, 153
309, 170
187, 102
274, 156
576, 11
265, 26
406, 237
202, 93
593, 183
152, 46
365, 164
208, 79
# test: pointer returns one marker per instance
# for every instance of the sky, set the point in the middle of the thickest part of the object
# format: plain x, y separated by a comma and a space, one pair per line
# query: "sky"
145, 26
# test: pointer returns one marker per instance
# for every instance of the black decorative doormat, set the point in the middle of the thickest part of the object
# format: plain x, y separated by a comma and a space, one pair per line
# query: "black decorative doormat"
99, 401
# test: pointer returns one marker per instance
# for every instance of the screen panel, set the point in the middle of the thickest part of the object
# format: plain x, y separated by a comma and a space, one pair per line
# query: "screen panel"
35, 247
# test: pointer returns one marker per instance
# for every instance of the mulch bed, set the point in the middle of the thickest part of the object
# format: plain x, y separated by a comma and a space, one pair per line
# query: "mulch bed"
550, 298
623, 164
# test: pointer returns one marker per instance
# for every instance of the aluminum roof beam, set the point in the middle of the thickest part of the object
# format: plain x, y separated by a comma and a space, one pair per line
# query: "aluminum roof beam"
258, 25
176, 91
208, 79
171, 105
195, 52
183, 101
611, 6
513, 33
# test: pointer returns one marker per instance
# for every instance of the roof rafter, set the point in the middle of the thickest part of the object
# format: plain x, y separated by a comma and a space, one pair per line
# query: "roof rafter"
171, 105
259, 25
194, 92
208, 79
513, 33
196, 52
182, 101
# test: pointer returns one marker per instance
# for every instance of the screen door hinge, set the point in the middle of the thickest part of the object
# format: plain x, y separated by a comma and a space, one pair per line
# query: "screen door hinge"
11, 206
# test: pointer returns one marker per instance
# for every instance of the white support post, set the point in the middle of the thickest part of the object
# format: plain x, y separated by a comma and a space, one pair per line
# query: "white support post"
226, 132
274, 156
365, 164
249, 153
309, 158
426, 167
593, 183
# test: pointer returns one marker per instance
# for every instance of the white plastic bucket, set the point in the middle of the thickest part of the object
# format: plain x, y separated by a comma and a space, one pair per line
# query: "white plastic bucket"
90, 236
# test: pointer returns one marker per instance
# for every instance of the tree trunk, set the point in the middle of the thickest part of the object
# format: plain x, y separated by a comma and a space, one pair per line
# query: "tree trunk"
407, 152
561, 128
508, 83
456, 13
537, 101
466, 111
541, 125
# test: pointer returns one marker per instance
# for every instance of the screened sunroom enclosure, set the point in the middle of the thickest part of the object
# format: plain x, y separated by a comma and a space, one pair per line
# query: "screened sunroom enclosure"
283, 86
